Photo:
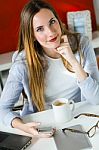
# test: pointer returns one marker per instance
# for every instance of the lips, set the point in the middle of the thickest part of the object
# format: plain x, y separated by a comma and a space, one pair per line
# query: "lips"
53, 40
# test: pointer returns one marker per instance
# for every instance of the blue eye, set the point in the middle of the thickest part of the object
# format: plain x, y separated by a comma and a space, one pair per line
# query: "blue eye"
52, 21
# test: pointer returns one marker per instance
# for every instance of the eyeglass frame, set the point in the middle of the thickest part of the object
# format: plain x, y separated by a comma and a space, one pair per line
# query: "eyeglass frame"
87, 114
84, 132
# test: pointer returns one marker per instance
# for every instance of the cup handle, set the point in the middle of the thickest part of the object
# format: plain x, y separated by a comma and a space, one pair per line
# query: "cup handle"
73, 105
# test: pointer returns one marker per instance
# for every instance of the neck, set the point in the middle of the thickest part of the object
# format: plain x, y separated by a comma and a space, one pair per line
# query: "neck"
52, 53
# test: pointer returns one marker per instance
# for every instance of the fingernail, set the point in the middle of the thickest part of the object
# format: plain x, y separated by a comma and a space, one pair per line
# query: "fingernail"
38, 123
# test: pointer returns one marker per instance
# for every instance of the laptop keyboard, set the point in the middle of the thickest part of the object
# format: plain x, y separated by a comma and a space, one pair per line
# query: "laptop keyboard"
3, 137
4, 148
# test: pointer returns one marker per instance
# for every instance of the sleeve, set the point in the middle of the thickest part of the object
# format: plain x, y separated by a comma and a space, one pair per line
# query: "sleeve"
90, 86
11, 93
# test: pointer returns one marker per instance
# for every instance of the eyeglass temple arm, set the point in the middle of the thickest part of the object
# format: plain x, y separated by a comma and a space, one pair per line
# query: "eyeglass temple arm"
74, 130
87, 114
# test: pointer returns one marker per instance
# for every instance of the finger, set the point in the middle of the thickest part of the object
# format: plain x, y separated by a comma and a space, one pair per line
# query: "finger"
45, 134
34, 132
62, 52
33, 124
64, 38
62, 48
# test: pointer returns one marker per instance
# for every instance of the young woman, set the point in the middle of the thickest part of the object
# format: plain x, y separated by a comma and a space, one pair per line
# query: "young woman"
50, 63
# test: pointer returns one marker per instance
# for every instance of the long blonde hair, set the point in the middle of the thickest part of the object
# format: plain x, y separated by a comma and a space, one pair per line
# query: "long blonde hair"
36, 61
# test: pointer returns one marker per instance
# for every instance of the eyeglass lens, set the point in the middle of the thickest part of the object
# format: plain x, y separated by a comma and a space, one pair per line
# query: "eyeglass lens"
92, 131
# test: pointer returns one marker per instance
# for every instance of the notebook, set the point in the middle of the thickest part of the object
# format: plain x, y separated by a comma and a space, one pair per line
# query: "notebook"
72, 141
10, 141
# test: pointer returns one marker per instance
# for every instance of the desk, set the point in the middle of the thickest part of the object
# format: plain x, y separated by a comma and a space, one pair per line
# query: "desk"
47, 118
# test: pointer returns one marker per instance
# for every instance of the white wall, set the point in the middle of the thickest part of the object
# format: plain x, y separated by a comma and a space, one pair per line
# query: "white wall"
96, 6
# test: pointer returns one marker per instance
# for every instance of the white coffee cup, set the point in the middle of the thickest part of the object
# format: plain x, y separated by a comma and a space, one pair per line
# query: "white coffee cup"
63, 110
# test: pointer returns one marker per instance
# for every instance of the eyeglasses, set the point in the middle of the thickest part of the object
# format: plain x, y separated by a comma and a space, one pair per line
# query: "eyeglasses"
91, 132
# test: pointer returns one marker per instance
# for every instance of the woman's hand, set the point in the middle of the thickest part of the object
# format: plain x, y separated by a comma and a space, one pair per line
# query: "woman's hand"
31, 128
65, 50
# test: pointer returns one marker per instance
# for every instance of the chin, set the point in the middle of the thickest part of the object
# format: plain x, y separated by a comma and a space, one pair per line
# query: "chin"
56, 46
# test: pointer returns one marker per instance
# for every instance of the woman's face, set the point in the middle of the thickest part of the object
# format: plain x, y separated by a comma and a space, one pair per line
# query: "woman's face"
47, 30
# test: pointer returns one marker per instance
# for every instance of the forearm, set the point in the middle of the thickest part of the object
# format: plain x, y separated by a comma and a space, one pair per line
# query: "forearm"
79, 71
90, 90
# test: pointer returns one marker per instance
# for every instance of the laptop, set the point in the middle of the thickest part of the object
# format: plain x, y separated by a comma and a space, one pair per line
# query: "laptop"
10, 141
72, 141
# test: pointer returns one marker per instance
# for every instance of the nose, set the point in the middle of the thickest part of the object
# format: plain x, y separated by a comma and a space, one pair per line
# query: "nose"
50, 31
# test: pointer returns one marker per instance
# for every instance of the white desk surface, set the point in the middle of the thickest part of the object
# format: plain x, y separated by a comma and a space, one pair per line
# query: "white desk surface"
5, 61
47, 118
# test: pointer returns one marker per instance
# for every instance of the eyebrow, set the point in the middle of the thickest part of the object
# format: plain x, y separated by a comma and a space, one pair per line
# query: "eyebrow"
48, 22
